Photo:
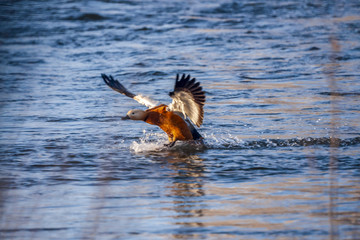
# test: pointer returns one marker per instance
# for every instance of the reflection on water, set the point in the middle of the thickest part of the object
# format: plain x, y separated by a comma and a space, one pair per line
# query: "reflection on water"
279, 205
256, 208
186, 190
174, 197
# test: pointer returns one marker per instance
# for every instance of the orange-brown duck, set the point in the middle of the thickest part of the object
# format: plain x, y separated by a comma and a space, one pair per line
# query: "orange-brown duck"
188, 102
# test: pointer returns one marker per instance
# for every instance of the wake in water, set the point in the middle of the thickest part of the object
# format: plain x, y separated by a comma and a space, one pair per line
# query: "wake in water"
154, 142
229, 141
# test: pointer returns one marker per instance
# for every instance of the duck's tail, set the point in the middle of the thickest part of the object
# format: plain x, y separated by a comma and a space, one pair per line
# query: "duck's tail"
196, 135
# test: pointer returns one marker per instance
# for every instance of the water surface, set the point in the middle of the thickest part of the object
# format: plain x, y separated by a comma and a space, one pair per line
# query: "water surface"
281, 120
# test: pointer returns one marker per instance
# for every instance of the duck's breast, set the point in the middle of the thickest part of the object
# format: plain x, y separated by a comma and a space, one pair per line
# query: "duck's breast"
170, 123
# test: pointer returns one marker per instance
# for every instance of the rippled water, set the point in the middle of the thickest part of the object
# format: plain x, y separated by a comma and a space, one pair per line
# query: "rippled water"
281, 120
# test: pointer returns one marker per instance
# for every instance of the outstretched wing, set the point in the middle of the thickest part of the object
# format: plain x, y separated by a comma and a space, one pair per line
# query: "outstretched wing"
188, 98
117, 86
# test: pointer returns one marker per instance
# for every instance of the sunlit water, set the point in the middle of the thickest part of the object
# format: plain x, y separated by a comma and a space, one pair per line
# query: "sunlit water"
282, 120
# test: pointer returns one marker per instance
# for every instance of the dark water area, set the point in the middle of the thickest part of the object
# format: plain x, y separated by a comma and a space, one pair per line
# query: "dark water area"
281, 125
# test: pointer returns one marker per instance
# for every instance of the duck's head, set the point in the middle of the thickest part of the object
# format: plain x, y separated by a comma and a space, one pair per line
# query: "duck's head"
135, 114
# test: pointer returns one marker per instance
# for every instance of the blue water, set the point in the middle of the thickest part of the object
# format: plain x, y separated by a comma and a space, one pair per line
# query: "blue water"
281, 125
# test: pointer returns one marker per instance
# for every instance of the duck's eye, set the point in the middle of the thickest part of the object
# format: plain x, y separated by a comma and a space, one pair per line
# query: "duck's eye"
133, 113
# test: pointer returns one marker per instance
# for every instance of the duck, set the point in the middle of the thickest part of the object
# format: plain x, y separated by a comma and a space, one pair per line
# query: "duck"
176, 119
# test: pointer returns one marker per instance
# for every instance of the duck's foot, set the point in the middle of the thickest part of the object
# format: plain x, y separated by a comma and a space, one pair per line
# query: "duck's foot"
170, 144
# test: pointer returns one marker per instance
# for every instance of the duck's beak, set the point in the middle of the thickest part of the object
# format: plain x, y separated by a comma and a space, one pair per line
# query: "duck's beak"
125, 118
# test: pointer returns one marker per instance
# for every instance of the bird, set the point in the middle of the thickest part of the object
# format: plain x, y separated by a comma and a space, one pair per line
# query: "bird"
178, 118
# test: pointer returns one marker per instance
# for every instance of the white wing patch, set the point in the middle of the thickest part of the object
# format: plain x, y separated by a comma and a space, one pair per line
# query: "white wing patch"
144, 100
184, 102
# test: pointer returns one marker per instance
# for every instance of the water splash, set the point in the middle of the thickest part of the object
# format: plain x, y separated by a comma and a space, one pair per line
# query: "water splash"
155, 142
149, 142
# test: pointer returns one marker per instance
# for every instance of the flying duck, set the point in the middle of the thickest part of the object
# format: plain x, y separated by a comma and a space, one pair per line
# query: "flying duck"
175, 119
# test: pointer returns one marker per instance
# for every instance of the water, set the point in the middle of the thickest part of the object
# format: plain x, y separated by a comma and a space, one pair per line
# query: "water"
281, 120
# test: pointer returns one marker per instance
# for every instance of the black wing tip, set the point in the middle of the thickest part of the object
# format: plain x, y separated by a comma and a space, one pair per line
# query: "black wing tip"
107, 78
104, 76
186, 83
183, 81
116, 85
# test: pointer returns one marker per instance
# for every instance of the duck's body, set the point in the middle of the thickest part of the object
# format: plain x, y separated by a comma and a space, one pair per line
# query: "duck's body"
188, 100
171, 123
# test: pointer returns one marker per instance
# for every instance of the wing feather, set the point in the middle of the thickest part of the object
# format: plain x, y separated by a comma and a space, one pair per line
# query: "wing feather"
188, 98
117, 86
